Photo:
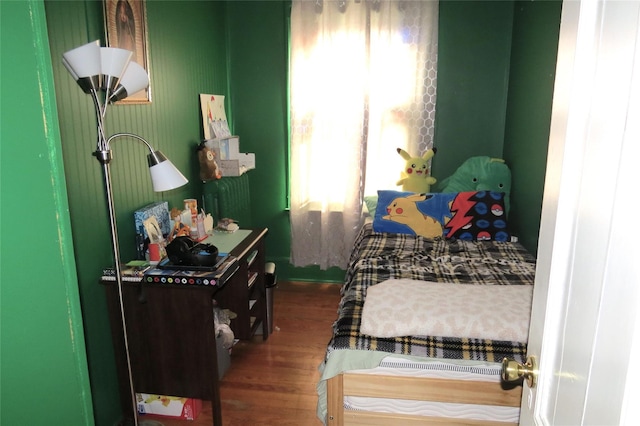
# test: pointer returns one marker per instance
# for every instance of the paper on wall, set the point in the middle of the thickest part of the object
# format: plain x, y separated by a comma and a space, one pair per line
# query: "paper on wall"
214, 118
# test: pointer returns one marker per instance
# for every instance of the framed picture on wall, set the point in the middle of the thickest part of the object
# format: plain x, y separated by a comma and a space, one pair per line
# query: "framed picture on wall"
126, 28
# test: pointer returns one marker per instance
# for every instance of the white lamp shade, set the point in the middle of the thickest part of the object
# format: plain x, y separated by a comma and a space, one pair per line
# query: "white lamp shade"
85, 60
68, 67
113, 63
134, 79
164, 175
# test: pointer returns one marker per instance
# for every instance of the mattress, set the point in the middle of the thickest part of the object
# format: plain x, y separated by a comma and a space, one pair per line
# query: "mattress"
360, 362
441, 369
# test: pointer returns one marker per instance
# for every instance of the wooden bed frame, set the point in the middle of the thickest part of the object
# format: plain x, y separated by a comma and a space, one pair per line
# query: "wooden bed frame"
422, 389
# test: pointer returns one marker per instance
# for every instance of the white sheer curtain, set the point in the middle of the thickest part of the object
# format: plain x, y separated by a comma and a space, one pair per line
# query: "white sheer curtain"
363, 83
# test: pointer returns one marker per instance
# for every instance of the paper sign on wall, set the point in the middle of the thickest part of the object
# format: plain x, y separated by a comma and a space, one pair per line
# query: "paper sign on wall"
214, 119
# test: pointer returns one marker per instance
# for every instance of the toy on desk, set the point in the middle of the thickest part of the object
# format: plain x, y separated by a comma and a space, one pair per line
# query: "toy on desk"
180, 229
415, 175
227, 225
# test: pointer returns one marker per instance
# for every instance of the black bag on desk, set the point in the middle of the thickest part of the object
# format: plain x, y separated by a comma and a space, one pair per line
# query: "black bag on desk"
184, 251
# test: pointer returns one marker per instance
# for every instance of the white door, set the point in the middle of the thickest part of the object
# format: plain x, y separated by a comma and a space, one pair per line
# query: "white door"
584, 327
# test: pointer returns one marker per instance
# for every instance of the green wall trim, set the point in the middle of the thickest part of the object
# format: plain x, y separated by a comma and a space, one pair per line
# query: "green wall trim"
43, 347
287, 272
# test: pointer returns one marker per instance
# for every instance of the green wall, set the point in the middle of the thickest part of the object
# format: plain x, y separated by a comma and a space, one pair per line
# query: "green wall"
533, 60
44, 377
257, 34
496, 68
474, 44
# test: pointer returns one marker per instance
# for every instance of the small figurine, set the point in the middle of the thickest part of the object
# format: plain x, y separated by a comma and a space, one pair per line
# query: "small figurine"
179, 228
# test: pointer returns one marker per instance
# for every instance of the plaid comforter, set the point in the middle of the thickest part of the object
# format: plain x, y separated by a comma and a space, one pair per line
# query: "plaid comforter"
380, 256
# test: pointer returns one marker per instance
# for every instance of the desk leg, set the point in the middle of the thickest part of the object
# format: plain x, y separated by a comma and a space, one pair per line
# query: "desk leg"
216, 406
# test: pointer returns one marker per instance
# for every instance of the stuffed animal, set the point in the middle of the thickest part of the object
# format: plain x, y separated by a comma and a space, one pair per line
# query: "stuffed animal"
479, 174
209, 169
415, 176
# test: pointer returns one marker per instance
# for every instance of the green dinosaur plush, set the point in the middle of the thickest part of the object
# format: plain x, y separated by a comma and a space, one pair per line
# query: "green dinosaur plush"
415, 176
480, 174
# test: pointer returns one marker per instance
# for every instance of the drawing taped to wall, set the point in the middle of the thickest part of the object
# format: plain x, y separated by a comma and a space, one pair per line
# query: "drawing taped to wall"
214, 119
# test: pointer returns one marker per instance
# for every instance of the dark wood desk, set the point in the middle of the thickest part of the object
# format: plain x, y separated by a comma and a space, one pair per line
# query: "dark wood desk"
171, 334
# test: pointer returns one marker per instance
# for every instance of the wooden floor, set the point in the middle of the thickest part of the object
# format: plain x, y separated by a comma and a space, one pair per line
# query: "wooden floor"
273, 382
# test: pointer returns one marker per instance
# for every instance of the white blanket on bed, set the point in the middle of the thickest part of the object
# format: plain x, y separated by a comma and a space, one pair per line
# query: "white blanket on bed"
403, 307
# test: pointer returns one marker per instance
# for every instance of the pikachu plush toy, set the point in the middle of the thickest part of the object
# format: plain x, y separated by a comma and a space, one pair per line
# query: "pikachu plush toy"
415, 177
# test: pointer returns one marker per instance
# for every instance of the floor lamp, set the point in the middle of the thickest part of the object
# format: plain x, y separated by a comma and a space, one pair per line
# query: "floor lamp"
108, 74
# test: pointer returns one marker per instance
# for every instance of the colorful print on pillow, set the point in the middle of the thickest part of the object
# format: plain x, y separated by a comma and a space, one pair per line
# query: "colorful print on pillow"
473, 216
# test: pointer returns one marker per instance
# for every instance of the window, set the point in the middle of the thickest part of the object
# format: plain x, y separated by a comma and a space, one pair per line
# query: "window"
363, 83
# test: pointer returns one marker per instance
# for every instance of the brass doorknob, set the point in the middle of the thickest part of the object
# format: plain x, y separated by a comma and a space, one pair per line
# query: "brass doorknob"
513, 370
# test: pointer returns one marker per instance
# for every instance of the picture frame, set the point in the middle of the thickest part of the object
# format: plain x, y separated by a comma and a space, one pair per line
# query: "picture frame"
126, 28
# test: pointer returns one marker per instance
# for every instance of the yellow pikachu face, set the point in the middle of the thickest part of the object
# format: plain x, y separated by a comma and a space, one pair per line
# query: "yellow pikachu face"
417, 166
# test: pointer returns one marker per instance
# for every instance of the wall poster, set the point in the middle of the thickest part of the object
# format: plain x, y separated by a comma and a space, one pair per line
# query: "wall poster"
126, 28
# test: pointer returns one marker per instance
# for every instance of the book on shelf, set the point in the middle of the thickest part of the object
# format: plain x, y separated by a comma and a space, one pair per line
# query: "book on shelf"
209, 277
252, 257
229, 266
124, 278
251, 278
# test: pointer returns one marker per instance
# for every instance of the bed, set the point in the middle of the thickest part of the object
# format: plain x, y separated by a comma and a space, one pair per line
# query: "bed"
442, 374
